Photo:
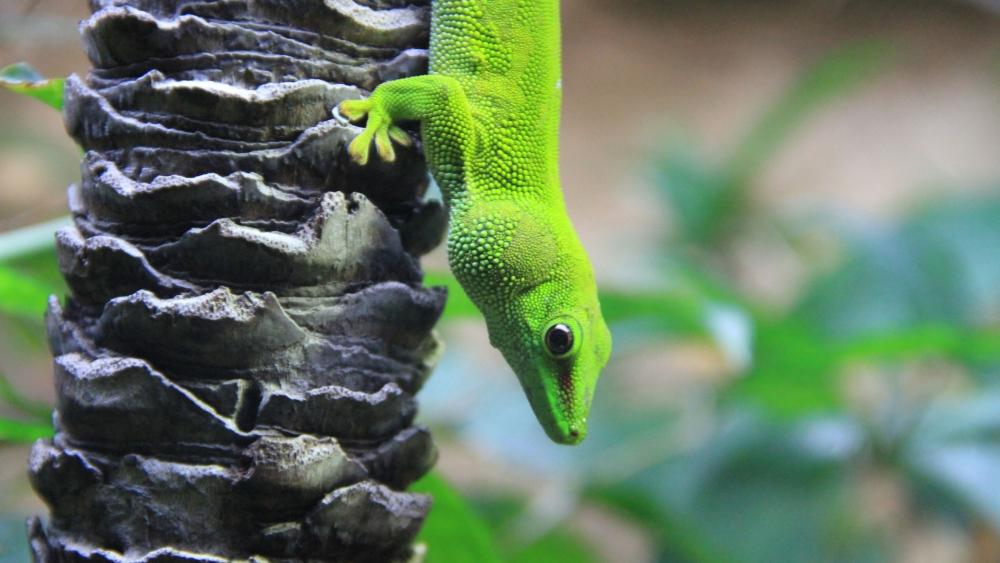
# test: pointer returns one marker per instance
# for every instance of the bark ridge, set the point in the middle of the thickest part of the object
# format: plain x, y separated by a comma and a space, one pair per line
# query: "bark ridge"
237, 363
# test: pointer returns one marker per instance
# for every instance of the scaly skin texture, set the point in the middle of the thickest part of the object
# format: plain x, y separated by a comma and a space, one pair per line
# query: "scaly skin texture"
489, 115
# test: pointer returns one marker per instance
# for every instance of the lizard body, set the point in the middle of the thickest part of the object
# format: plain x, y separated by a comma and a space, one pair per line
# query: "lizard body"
489, 115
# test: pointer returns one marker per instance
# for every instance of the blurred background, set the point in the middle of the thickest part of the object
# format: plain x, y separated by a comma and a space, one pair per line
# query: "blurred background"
793, 208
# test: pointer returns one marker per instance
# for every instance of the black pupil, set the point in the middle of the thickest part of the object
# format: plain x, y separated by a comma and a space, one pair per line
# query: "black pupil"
559, 339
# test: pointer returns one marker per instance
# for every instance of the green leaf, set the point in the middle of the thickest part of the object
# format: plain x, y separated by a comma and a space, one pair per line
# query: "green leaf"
22, 296
453, 532
31, 241
939, 267
677, 540
13, 398
667, 313
29, 273
700, 194
797, 370
505, 514
458, 306
559, 546
752, 490
954, 453
41, 267
921, 290
24, 79
16, 431
964, 345
833, 77
794, 372
707, 199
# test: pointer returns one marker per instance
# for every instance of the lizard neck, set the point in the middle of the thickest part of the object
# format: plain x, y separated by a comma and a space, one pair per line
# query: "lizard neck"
506, 56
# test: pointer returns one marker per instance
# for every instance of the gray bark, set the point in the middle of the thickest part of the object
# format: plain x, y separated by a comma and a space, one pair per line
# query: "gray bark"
237, 363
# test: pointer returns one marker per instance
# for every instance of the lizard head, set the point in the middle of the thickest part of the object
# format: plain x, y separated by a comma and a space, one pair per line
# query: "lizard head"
558, 358
527, 271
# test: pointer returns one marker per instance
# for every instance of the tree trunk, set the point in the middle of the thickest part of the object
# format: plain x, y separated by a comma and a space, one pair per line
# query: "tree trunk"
236, 366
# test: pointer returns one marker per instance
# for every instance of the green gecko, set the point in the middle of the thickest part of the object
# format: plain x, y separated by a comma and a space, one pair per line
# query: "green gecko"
489, 116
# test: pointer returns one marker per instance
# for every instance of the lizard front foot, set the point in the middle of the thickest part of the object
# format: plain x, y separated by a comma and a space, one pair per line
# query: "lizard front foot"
379, 127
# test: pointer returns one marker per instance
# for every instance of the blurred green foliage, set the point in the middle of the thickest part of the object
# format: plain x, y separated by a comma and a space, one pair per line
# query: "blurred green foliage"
708, 201
453, 531
882, 369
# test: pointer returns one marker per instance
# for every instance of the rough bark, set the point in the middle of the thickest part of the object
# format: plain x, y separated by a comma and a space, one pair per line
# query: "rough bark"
237, 363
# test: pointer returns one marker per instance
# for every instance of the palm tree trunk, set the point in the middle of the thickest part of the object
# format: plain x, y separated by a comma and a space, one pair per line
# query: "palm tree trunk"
236, 366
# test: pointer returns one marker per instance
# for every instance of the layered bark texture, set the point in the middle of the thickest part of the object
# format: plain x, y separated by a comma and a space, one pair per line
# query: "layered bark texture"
236, 366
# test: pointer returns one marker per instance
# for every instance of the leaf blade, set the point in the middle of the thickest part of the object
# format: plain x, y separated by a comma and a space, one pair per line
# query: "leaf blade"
22, 296
19, 432
22, 78
453, 532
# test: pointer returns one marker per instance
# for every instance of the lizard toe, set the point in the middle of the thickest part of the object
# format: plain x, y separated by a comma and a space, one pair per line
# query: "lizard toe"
360, 148
401, 137
355, 110
383, 144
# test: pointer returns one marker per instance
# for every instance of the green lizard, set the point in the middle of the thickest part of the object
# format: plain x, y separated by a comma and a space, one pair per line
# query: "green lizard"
489, 116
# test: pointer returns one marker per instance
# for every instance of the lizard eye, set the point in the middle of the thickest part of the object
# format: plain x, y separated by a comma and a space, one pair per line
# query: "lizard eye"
559, 340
